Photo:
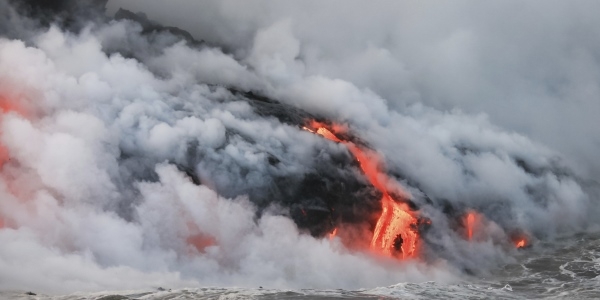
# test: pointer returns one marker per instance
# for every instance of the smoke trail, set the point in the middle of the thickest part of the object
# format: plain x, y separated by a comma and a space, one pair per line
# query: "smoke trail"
134, 156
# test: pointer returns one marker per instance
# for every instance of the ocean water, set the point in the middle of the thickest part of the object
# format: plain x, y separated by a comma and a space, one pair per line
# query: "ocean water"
566, 268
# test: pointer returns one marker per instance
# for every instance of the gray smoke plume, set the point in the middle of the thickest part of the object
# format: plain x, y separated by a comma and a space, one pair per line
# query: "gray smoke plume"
136, 154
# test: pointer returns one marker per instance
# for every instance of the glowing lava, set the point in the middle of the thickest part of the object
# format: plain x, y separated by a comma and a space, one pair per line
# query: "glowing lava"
470, 224
6, 107
201, 242
474, 226
521, 241
395, 230
333, 234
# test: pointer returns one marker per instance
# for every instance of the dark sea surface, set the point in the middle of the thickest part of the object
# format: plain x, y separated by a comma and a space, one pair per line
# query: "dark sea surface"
567, 268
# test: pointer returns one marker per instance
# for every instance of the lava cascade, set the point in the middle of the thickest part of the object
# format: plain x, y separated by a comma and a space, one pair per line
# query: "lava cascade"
470, 224
396, 228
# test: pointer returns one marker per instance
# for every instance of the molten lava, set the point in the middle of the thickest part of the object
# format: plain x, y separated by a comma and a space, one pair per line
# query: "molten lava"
327, 134
201, 241
470, 224
333, 234
6, 107
197, 239
521, 240
473, 222
395, 230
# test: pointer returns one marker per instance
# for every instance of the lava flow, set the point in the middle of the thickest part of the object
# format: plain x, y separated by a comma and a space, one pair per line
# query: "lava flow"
395, 231
6, 107
472, 221
521, 241
470, 224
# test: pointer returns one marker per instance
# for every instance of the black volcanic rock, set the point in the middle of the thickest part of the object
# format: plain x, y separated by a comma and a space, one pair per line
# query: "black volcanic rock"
150, 27
268, 107
69, 14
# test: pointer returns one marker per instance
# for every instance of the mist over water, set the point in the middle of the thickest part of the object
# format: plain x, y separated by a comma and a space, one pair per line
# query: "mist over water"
132, 159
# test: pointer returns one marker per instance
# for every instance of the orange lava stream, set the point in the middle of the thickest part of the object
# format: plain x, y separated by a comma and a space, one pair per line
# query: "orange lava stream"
395, 220
327, 134
520, 244
470, 225
396, 227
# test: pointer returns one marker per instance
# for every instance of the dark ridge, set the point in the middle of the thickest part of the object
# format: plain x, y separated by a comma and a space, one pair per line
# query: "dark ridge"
190, 172
467, 150
69, 14
266, 107
521, 163
288, 114
555, 168
113, 297
151, 27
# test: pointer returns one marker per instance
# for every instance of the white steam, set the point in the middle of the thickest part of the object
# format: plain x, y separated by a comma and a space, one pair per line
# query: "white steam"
531, 67
92, 197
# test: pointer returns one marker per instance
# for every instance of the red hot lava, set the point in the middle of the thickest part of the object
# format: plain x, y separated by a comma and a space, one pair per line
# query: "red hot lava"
6, 107
473, 222
520, 240
333, 234
395, 230
470, 224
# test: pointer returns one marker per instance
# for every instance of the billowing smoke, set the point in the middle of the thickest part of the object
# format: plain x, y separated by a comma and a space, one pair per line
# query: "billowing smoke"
136, 155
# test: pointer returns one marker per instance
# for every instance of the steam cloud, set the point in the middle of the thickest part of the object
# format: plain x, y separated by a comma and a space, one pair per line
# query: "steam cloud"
137, 159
